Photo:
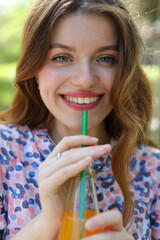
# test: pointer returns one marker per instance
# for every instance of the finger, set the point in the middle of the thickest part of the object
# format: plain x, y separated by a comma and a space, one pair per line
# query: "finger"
101, 236
79, 153
116, 235
69, 142
112, 219
70, 157
54, 181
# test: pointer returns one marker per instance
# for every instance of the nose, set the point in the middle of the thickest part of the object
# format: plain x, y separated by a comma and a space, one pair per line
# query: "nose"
85, 76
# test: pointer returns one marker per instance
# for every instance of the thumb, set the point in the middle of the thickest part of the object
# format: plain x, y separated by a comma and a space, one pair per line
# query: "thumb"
109, 220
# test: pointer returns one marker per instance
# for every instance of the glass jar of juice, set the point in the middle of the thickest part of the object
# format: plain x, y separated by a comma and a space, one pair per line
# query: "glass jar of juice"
73, 222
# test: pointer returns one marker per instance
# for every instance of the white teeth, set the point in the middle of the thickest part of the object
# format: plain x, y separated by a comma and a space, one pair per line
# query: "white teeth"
75, 100
87, 100
92, 99
82, 100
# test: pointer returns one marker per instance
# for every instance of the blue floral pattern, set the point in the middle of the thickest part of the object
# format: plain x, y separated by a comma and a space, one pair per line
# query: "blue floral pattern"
22, 151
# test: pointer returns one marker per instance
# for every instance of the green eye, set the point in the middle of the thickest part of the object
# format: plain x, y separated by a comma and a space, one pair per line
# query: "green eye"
61, 59
107, 59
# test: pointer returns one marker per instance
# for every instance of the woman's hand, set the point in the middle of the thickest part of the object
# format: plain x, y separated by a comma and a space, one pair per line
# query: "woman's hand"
112, 223
54, 173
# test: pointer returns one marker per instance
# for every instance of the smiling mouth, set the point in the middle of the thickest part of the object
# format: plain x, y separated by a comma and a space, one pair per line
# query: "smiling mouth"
82, 100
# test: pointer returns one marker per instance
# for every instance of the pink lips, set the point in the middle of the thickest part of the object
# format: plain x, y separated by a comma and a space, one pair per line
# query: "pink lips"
80, 107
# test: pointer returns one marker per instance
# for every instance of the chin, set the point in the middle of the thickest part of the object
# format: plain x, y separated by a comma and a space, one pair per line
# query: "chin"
77, 127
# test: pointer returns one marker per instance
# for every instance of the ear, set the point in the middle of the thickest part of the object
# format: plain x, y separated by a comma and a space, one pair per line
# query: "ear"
37, 79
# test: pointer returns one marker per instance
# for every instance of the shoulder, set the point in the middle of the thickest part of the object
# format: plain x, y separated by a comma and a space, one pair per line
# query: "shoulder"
9, 131
14, 135
146, 153
18, 138
13, 140
146, 160
18, 132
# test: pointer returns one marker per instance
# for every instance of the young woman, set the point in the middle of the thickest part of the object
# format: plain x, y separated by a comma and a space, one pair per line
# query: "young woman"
79, 54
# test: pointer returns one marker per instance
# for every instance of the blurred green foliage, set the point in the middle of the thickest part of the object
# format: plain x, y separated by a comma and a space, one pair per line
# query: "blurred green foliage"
152, 8
11, 25
7, 89
12, 18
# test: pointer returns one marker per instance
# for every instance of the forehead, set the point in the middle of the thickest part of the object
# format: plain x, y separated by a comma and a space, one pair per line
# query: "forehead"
85, 27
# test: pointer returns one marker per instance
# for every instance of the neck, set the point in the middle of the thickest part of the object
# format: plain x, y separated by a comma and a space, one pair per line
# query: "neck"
59, 131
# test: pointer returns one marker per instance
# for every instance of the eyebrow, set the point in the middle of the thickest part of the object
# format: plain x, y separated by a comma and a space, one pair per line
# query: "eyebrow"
109, 47
101, 49
60, 45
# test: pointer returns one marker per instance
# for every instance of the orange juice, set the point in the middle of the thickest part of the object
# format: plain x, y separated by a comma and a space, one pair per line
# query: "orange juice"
70, 226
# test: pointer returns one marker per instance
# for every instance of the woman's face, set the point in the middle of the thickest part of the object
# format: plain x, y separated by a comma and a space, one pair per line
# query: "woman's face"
79, 70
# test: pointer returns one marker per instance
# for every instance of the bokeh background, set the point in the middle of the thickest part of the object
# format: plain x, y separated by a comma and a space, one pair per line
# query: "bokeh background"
146, 13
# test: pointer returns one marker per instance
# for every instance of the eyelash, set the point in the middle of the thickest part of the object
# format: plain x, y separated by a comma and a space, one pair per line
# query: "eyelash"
65, 59
61, 56
110, 59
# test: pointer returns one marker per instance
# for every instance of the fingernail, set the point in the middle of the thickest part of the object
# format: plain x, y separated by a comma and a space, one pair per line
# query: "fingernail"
90, 224
87, 160
107, 146
103, 148
94, 139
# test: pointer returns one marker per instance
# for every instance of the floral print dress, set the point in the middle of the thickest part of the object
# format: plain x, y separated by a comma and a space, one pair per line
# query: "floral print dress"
22, 150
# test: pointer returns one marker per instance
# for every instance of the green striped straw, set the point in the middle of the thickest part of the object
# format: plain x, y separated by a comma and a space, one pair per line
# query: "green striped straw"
83, 176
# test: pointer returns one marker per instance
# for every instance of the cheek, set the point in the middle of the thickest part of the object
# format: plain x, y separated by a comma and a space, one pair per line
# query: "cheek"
48, 78
108, 79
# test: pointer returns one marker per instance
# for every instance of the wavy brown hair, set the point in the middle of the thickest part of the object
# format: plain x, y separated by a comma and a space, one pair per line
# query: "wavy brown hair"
131, 95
